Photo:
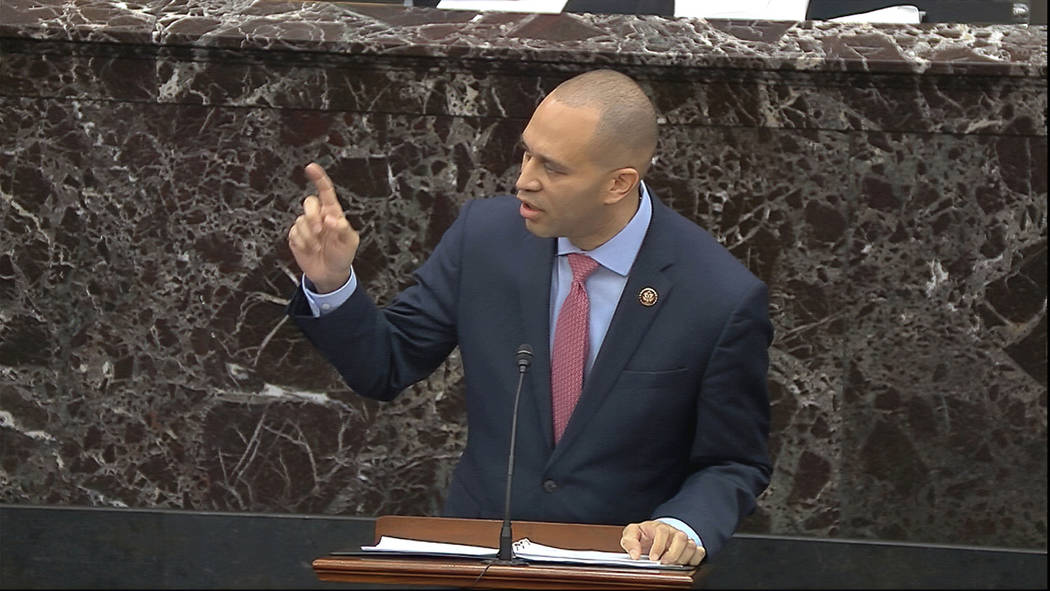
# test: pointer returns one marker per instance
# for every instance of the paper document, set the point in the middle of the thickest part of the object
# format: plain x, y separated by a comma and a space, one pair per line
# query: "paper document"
529, 550
544, 6
403, 546
770, 10
904, 15
524, 549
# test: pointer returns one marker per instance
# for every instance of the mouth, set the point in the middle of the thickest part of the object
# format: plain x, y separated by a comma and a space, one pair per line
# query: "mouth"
528, 210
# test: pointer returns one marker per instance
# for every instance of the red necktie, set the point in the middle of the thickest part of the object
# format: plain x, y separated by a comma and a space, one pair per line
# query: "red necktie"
570, 344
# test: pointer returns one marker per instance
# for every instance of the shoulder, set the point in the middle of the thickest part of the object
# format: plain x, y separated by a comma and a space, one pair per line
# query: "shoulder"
499, 207
491, 217
700, 257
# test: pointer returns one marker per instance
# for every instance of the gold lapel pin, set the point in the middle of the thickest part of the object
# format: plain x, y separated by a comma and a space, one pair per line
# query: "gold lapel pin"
648, 296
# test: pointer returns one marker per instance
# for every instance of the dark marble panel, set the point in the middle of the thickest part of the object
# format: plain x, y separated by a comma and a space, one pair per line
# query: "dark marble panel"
889, 183
945, 401
150, 358
849, 102
510, 89
592, 39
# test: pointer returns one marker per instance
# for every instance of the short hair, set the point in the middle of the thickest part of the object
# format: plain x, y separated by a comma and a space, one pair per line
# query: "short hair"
626, 116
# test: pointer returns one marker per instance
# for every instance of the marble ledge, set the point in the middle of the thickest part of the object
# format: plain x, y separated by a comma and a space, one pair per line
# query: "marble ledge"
395, 31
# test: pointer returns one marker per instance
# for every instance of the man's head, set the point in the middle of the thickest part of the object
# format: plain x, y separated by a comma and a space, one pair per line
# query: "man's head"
587, 147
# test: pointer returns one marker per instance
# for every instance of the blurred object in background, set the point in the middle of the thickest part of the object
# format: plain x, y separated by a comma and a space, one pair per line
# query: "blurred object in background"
929, 11
935, 11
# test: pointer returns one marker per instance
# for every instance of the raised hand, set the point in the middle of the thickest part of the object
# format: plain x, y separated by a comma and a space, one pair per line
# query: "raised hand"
322, 240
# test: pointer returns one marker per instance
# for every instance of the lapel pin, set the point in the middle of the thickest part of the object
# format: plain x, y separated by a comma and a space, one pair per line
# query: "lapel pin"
648, 297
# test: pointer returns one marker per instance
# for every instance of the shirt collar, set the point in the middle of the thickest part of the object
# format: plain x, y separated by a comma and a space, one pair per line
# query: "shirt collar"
618, 253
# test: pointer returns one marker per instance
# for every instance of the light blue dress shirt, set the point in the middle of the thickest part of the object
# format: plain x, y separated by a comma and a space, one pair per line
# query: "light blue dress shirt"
604, 287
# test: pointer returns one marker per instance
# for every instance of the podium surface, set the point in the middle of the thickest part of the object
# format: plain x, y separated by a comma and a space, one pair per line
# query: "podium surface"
473, 572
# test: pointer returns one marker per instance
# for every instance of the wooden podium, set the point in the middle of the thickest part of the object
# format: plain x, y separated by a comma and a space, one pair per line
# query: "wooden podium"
475, 573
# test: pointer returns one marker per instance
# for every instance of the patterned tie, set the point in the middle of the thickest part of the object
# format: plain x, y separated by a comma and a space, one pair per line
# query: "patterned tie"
570, 344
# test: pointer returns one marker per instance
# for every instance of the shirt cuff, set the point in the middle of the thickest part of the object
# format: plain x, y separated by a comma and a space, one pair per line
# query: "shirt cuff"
680, 525
321, 304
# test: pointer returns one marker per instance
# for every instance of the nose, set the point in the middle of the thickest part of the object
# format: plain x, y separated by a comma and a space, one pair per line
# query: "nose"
527, 179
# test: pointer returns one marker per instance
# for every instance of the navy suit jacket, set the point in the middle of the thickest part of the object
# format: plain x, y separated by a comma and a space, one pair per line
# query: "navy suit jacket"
673, 419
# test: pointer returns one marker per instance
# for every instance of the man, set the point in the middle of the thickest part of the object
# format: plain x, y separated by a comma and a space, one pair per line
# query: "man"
652, 410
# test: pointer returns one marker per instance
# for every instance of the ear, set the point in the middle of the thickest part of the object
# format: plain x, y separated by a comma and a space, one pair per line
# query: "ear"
622, 182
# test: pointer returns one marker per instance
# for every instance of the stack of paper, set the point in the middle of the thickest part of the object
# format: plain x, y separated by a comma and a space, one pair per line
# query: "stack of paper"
524, 549
529, 550
404, 546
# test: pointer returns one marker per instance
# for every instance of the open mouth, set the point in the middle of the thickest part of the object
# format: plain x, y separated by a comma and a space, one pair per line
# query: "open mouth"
528, 211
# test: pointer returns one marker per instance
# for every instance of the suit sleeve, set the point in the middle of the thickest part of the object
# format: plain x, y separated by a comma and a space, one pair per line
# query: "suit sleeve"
729, 456
382, 351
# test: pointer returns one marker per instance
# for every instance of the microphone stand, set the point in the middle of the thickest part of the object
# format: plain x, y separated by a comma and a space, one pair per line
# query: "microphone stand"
506, 550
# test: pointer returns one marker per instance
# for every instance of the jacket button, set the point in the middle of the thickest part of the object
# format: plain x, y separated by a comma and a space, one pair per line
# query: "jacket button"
550, 486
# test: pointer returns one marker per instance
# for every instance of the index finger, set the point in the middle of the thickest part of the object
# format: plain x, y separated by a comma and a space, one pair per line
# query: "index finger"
325, 188
631, 540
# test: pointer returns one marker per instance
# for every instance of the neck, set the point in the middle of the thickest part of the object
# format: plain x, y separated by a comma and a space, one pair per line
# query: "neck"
620, 213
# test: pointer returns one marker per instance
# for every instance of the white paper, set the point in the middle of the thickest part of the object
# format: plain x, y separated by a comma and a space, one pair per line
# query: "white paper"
773, 10
546, 6
529, 550
402, 545
523, 548
904, 15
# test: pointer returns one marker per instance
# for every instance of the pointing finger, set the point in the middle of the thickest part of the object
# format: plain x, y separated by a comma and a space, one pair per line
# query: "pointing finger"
631, 540
325, 188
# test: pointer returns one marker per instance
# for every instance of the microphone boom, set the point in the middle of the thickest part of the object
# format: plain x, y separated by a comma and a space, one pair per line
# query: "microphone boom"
524, 360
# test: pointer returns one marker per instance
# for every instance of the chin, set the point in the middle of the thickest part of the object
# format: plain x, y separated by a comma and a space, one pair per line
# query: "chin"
538, 230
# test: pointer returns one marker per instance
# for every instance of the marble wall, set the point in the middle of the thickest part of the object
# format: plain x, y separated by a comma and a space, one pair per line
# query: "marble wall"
889, 183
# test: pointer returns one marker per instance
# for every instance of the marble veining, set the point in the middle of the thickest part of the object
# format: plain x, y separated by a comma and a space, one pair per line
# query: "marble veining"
385, 30
887, 182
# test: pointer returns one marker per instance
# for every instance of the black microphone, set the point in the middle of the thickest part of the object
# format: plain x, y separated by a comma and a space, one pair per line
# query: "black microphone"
524, 359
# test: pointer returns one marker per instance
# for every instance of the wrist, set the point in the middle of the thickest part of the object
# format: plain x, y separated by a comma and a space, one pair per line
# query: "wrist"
328, 284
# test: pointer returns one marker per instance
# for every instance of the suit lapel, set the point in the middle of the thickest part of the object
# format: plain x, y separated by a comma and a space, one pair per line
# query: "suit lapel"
535, 293
629, 324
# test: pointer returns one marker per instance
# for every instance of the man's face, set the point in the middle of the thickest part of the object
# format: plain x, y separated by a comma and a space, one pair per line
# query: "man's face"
562, 186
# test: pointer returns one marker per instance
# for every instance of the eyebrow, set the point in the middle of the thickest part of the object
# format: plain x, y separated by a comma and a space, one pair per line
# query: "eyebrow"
547, 159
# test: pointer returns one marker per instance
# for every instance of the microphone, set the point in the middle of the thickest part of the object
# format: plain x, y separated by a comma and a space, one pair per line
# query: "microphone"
524, 359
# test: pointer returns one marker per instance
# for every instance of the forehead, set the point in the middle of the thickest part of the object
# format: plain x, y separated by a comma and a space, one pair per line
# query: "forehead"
560, 131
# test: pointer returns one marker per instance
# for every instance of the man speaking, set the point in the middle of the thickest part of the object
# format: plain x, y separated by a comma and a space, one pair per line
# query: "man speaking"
646, 405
